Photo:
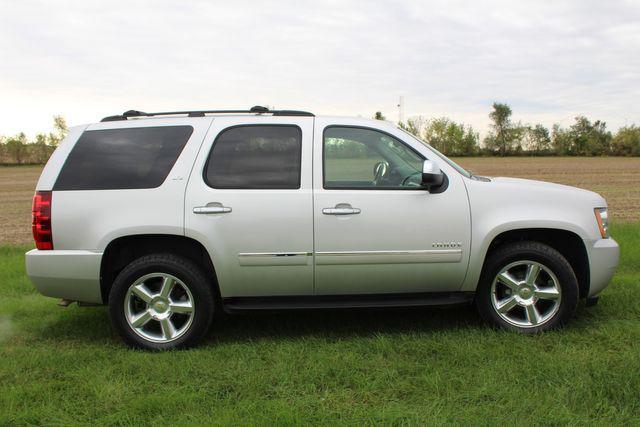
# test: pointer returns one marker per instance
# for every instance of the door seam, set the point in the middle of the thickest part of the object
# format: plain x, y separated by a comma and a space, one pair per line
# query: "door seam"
313, 206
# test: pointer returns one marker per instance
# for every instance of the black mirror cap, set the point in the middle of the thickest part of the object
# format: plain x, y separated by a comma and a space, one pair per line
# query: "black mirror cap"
435, 183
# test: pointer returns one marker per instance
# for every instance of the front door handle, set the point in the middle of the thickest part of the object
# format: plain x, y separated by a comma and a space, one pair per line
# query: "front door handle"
211, 208
341, 209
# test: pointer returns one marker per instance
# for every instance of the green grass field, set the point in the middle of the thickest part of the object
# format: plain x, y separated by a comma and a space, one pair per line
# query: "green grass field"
436, 366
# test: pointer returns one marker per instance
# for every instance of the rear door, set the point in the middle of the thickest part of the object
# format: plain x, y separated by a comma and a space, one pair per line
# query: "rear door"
249, 201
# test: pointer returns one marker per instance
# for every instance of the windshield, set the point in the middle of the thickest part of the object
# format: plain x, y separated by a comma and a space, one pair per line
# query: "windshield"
450, 162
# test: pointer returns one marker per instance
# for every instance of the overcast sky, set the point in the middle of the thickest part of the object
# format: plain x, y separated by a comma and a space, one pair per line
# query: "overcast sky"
550, 60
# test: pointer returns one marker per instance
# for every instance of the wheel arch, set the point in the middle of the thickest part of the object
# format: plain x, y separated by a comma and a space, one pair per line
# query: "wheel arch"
122, 250
568, 243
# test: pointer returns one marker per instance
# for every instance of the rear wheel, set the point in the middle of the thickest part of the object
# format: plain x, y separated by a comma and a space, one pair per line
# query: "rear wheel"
160, 302
527, 287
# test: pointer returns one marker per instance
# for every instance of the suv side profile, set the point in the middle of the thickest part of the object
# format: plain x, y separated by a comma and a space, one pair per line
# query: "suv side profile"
166, 217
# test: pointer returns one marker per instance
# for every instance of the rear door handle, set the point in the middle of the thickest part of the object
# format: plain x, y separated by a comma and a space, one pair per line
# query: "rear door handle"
341, 209
211, 209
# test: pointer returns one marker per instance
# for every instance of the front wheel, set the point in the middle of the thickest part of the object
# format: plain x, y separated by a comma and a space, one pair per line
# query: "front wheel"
160, 302
527, 287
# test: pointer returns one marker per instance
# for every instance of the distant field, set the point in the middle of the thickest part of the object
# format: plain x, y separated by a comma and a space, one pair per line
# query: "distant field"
17, 184
617, 179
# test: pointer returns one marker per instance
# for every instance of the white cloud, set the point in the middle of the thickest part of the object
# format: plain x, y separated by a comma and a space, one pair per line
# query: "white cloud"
549, 60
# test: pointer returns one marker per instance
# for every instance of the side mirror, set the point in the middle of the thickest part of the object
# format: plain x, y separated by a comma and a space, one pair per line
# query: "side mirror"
432, 176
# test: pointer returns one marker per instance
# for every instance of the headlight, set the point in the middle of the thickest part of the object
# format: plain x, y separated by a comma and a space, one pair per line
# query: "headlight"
603, 221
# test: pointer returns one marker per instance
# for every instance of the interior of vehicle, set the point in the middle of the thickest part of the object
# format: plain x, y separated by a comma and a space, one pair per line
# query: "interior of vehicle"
368, 159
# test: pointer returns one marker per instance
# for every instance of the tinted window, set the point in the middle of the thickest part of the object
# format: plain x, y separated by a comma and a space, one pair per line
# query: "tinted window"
122, 158
256, 157
361, 158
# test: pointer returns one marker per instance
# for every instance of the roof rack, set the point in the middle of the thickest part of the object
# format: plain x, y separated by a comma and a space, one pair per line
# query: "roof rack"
201, 113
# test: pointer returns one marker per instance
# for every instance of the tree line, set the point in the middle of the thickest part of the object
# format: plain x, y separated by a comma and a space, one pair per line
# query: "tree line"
505, 138
19, 150
509, 138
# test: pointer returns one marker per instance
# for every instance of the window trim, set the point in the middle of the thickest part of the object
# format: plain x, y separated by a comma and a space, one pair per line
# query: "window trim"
68, 156
324, 184
245, 125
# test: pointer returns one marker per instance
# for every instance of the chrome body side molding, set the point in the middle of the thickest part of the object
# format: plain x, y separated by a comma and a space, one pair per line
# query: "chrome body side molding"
274, 258
389, 257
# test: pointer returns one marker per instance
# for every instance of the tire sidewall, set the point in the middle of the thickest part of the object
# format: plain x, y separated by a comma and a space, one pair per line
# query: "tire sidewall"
529, 251
190, 276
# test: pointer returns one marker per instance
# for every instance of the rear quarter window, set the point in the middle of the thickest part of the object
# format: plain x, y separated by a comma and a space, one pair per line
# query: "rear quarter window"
122, 158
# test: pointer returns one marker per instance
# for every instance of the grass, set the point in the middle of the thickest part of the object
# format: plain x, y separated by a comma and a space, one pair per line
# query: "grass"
436, 366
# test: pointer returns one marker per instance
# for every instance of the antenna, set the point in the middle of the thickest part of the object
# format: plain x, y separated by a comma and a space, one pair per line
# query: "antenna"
401, 109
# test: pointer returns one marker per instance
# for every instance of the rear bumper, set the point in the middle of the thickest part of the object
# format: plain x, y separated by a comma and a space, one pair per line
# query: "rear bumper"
604, 255
73, 275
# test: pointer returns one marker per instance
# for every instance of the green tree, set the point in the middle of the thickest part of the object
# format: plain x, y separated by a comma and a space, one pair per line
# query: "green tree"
451, 138
15, 147
501, 136
598, 139
41, 149
583, 138
60, 130
536, 139
379, 116
626, 142
560, 140
469, 145
415, 126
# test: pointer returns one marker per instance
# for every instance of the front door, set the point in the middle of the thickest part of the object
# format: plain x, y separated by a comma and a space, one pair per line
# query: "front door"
249, 201
376, 230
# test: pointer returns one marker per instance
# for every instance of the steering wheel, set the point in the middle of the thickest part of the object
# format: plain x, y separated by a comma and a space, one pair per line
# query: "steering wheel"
380, 170
405, 182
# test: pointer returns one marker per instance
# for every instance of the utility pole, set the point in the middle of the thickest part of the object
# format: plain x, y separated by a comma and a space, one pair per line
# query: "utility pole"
401, 109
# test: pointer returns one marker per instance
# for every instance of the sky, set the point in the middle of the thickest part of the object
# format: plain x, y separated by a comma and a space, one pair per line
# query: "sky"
549, 60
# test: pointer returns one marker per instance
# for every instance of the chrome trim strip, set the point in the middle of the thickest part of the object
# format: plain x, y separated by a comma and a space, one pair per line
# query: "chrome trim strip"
389, 257
274, 254
418, 252
274, 258
350, 257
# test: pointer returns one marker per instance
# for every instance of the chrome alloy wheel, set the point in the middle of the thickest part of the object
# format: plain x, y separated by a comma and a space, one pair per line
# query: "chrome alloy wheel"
526, 294
159, 307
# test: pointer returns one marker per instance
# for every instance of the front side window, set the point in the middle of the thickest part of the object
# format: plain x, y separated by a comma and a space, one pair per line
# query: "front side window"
361, 158
128, 158
256, 157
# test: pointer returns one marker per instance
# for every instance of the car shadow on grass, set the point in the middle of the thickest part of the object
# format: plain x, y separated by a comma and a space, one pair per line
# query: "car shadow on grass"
91, 324
339, 323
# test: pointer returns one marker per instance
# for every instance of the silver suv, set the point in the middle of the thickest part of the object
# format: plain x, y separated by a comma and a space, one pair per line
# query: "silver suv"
162, 216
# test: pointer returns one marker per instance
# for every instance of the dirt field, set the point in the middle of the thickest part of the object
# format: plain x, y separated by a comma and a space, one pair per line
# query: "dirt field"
16, 190
617, 179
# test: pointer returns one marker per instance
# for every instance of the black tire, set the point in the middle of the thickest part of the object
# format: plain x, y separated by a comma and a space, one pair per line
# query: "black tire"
539, 253
185, 271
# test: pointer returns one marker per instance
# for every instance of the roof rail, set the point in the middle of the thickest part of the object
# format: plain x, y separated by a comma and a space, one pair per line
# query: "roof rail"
201, 113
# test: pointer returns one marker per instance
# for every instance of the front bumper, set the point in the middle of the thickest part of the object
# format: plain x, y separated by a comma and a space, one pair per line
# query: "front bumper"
73, 275
604, 255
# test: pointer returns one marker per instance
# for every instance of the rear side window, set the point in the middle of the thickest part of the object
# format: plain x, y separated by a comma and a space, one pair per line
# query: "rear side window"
256, 157
123, 158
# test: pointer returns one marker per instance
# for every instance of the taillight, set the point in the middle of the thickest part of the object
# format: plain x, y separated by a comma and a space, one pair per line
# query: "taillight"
41, 220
